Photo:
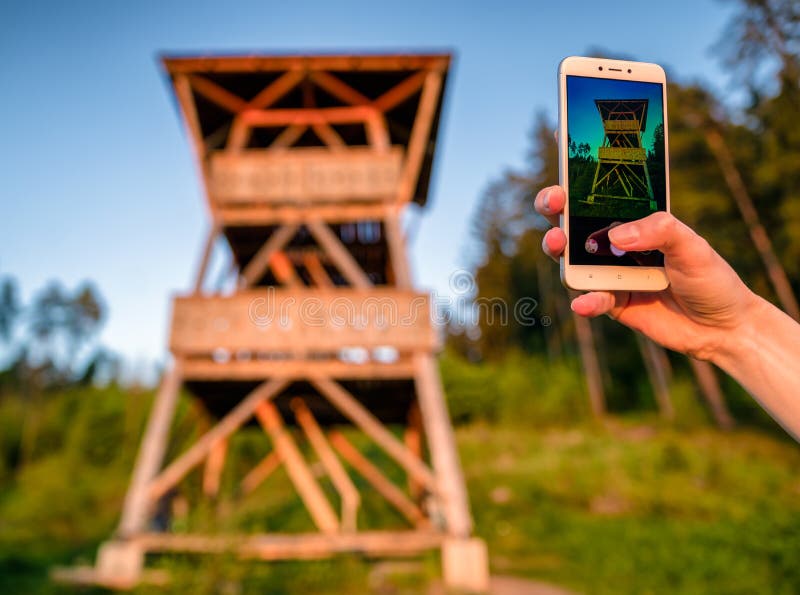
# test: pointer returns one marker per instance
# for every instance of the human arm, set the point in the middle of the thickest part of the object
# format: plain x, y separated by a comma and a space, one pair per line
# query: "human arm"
707, 311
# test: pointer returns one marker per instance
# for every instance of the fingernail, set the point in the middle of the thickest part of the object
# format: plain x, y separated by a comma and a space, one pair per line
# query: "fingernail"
624, 235
546, 200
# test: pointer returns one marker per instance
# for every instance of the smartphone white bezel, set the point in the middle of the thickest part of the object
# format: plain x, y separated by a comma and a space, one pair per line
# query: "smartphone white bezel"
596, 277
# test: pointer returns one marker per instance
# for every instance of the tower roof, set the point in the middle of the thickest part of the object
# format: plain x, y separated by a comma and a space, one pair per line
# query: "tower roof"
222, 87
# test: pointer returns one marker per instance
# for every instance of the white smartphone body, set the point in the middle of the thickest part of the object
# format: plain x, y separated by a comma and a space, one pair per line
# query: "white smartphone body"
613, 166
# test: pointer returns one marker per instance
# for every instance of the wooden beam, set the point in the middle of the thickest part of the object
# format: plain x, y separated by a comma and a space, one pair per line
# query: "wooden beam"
216, 94
212, 472
136, 508
275, 90
239, 135
170, 476
315, 270
378, 133
240, 129
328, 136
339, 254
442, 446
202, 267
300, 474
320, 115
338, 88
258, 265
308, 546
304, 63
257, 369
420, 135
341, 481
260, 472
349, 406
284, 270
378, 480
412, 437
399, 93
280, 214
398, 256
288, 137
191, 121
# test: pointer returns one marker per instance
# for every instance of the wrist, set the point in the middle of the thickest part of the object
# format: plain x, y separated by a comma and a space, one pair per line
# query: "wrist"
740, 342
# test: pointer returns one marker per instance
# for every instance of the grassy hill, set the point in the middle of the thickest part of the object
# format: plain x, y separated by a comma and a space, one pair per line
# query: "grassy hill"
631, 506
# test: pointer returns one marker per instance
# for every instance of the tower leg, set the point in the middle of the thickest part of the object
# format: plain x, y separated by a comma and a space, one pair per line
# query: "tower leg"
465, 561
122, 559
151, 454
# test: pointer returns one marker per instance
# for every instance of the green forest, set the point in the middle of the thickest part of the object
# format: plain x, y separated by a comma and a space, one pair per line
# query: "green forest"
594, 460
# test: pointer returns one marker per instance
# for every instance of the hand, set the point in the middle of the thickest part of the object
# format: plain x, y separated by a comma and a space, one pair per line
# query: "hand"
705, 304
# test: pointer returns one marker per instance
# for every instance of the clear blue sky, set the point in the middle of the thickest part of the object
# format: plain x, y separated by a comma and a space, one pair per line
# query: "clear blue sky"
97, 179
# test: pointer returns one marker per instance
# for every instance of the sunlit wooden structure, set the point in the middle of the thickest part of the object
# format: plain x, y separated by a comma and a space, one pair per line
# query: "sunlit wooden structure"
308, 163
621, 171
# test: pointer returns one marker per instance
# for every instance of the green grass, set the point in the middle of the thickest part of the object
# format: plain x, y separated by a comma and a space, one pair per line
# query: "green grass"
631, 507
638, 510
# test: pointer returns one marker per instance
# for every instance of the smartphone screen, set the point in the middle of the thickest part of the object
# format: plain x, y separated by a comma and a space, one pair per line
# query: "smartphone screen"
616, 166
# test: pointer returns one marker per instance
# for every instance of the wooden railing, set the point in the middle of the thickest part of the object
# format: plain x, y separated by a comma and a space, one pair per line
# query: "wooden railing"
304, 175
269, 320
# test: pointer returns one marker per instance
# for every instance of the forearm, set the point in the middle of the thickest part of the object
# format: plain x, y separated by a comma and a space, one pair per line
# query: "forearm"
764, 357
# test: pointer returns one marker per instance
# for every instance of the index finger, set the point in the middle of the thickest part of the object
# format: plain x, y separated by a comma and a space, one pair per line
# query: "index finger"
550, 202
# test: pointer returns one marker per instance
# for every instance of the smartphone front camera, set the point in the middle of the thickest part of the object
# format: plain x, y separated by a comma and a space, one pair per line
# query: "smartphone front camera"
599, 68
629, 71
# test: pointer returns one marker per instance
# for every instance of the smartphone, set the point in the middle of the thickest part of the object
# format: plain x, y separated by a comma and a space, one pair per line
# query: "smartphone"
614, 167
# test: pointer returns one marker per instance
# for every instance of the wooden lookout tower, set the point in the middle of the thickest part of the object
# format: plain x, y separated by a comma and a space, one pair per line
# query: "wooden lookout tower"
621, 172
307, 164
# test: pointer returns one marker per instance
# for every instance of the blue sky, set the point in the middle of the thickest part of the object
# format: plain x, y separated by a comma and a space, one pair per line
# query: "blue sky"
584, 121
97, 178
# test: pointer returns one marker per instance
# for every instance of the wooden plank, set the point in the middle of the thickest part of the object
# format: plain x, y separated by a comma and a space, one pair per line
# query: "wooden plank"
378, 133
191, 122
314, 174
378, 480
399, 93
318, 274
297, 468
264, 320
266, 63
420, 135
284, 270
339, 254
258, 474
328, 136
257, 267
173, 473
212, 471
338, 88
412, 437
349, 406
216, 94
442, 447
307, 546
239, 136
333, 467
257, 369
398, 256
240, 129
288, 137
248, 215
309, 116
275, 90
136, 508
202, 267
